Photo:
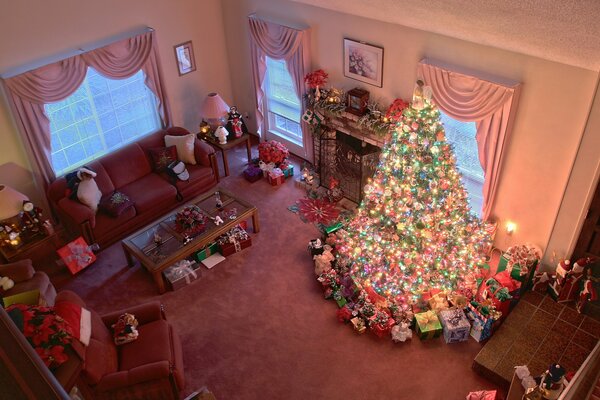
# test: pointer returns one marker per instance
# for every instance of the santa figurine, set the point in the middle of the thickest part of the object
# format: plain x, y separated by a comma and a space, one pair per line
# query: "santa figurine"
552, 382
571, 282
588, 290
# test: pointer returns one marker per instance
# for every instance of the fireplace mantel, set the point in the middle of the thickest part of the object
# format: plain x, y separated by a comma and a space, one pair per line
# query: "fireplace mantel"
348, 124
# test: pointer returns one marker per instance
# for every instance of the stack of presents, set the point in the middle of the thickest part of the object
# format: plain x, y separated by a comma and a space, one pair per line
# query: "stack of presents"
272, 163
475, 311
186, 271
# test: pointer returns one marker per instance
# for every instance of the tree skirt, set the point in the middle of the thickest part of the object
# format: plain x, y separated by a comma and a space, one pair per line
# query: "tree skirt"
317, 211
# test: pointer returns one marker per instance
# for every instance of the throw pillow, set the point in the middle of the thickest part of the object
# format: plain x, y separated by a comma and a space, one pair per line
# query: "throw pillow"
78, 319
115, 203
162, 156
125, 329
185, 147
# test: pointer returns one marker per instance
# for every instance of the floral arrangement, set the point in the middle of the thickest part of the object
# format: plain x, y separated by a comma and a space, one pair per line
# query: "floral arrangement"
316, 79
47, 333
272, 152
191, 220
394, 112
374, 120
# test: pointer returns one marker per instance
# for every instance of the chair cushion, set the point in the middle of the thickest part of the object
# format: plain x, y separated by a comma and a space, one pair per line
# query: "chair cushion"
101, 353
149, 192
185, 147
153, 344
201, 178
115, 203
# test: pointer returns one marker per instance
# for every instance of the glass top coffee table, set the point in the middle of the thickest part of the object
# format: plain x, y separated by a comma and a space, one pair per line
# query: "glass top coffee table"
156, 256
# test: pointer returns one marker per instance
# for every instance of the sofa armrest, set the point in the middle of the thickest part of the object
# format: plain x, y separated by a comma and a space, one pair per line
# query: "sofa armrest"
202, 152
18, 271
77, 212
144, 373
144, 313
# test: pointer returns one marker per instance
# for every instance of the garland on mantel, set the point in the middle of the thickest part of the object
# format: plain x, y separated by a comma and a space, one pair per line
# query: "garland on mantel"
332, 101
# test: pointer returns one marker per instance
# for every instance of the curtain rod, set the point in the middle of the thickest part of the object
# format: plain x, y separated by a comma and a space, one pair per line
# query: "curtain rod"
82, 49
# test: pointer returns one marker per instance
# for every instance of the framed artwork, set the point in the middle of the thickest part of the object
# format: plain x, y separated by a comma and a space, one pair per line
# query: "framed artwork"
363, 62
184, 55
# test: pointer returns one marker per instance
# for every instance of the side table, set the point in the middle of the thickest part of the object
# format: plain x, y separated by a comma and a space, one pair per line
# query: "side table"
231, 143
38, 249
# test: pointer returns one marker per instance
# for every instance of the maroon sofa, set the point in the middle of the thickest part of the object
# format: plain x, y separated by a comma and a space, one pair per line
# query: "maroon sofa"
129, 170
150, 367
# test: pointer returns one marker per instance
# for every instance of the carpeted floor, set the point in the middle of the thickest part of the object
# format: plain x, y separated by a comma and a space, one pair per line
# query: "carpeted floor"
257, 327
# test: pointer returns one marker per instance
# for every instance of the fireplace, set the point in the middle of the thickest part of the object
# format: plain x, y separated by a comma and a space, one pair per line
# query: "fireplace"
348, 159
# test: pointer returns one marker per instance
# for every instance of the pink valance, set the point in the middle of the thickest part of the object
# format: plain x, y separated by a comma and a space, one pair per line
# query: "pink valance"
30, 91
268, 39
490, 104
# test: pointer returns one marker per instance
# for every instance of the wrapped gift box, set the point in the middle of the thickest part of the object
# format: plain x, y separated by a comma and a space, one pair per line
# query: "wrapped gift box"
333, 228
77, 255
207, 251
234, 241
275, 177
481, 324
253, 173
288, 170
428, 325
182, 273
438, 302
455, 325
483, 395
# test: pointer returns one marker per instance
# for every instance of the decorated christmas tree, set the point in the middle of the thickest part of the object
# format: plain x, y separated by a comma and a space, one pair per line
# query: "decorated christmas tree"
414, 230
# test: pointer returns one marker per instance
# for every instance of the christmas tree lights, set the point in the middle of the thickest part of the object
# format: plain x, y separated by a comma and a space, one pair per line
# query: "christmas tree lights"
414, 230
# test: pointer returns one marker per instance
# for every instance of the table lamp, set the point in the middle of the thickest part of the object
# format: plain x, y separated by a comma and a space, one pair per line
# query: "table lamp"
214, 110
11, 202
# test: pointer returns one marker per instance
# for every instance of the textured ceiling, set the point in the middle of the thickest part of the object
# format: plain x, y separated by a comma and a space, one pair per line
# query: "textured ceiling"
566, 31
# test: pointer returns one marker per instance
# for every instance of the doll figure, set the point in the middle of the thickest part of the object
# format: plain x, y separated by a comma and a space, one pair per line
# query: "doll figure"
589, 290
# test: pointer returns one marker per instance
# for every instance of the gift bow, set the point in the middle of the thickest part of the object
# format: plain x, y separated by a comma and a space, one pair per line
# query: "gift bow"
80, 254
427, 318
183, 269
266, 167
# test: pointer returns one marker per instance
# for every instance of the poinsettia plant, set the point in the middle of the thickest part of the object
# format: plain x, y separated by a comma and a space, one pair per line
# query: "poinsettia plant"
394, 112
47, 332
272, 152
316, 78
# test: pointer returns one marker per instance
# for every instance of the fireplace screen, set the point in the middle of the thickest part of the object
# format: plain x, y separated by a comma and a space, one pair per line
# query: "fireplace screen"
349, 160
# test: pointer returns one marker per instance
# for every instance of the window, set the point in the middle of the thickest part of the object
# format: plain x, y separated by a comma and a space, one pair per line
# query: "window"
461, 135
283, 105
102, 115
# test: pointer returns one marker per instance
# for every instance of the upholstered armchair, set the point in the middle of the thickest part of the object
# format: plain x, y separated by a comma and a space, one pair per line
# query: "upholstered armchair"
150, 367
27, 278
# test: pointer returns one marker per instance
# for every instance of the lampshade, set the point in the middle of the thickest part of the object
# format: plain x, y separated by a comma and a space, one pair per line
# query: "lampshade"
214, 110
11, 202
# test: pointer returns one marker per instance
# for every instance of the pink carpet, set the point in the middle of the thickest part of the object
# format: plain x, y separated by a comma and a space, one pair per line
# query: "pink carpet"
257, 327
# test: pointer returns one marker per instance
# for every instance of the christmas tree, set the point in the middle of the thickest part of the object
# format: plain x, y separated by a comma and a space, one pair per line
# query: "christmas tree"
414, 230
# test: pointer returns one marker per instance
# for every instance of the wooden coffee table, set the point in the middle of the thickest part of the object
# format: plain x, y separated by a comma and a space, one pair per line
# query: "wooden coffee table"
156, 258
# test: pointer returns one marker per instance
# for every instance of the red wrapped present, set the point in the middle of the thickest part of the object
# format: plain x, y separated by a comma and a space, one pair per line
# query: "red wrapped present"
228, 249
483, 395
276, 177
182, 273
77, 255
234, 241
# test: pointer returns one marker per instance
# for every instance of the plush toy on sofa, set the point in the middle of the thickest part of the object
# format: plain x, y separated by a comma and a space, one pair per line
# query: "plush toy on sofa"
125, 329
82, 186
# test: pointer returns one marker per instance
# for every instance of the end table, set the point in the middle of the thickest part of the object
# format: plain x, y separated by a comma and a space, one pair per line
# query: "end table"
39, 248
231, 143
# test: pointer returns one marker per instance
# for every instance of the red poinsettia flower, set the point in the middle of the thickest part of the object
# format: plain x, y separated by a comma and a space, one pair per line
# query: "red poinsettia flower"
57, 355
394, 112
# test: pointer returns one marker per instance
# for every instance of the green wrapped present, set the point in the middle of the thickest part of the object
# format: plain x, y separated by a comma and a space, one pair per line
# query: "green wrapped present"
339, 299
428, 325
332, 228
207, 251
288, 170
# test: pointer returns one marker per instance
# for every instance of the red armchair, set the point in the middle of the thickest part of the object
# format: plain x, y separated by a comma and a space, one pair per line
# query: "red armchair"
150, 367
27, 278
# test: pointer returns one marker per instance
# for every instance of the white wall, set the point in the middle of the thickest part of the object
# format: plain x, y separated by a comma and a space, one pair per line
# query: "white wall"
550, 121
36, 30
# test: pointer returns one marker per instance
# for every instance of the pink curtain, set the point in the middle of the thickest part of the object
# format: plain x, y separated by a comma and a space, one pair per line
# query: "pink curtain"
280, 42
490, 104
30, 91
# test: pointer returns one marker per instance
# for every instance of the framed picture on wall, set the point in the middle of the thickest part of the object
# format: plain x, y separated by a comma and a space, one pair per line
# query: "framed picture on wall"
363, 62
184, 55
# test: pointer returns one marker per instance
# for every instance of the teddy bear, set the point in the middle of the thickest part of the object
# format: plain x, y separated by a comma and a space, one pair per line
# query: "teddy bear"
401, 332
323, 260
